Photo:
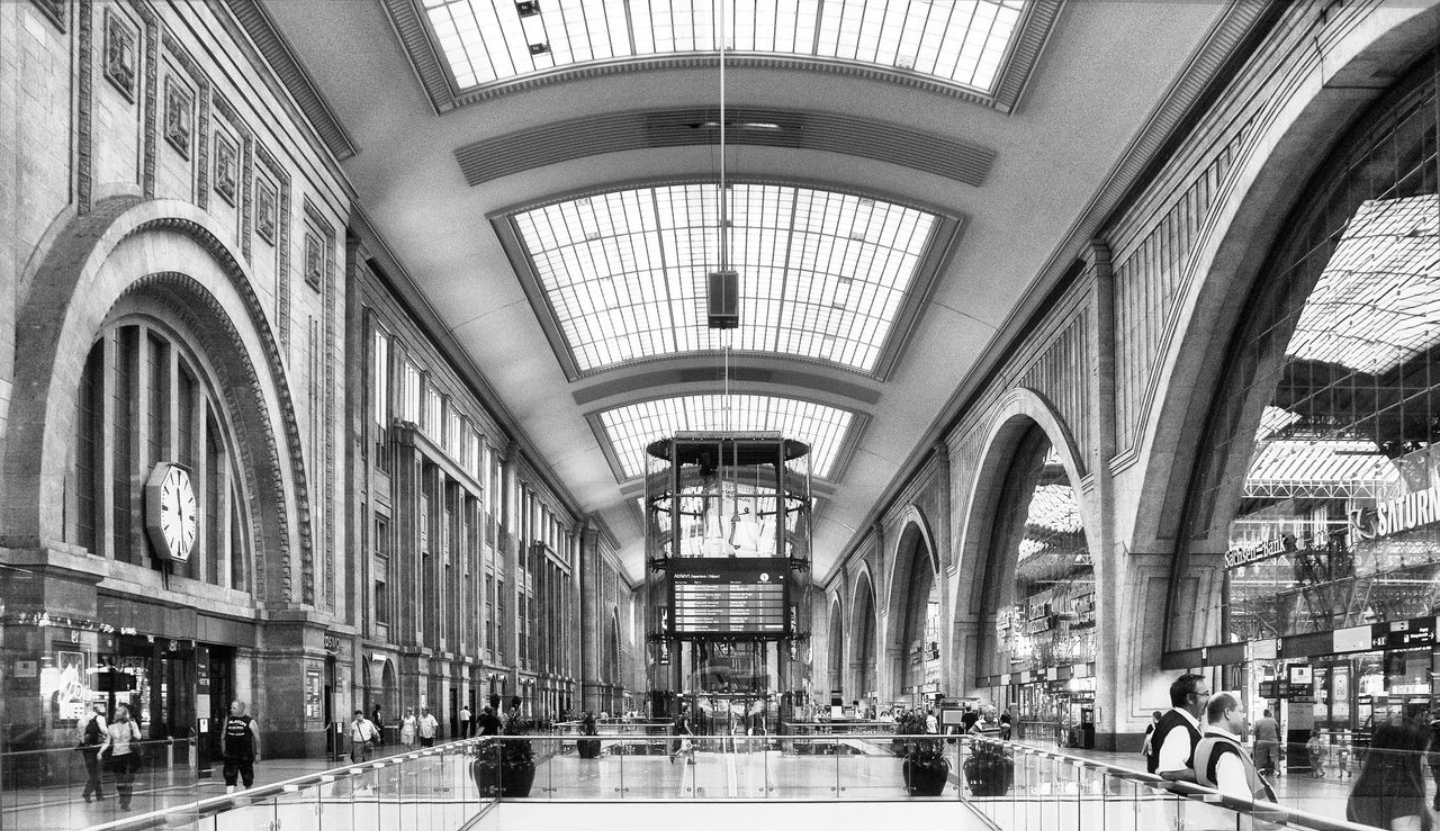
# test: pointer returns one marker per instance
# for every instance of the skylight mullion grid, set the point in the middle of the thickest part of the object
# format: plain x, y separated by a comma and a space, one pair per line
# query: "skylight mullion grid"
823, 273
485, 41
632, 427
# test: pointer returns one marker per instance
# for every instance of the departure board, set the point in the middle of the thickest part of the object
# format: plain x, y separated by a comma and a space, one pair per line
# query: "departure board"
728, 596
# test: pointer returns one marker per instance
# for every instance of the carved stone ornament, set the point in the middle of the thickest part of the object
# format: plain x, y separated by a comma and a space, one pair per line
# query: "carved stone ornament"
179, 115
266, 208
120, 53
227, 165
314, 260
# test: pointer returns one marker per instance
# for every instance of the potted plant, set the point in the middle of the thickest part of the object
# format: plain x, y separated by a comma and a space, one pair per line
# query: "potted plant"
588, 748
517, 758
989, 769
926, 770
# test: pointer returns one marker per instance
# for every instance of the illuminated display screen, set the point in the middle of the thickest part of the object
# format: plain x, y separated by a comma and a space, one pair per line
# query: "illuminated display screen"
728, 596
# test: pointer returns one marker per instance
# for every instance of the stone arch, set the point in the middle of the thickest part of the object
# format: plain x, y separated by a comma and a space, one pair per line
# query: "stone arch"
1014, 415
82, 277
865, 639
914, 569
835, 653
1286, 148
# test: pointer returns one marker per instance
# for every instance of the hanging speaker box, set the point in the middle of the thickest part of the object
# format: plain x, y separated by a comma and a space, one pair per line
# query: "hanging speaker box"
724, 299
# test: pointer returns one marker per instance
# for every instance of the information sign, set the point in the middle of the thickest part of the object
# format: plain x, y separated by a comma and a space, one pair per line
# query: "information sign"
1403, 634
729, 596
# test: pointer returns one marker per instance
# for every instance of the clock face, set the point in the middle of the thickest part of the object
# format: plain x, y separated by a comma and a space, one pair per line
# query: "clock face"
171, 511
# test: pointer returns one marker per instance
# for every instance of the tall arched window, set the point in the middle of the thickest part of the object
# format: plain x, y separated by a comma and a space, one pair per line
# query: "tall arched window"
1318, 473
920, 642
1046, 612
145, 398
865, 640
836, 673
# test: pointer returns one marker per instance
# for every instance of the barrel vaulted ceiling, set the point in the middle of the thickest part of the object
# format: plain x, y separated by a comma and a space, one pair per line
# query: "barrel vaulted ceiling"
902, 177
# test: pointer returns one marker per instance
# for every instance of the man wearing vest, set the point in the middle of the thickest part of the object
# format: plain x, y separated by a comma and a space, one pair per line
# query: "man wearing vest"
1179, 730
1220, 762
239, 747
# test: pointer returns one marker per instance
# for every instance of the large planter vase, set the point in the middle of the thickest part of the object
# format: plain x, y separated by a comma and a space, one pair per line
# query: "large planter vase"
925, 778
515, 782
989, 774
588, 748
485, 773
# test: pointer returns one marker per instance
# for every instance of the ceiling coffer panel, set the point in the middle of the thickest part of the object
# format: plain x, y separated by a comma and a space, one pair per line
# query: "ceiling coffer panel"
849, 135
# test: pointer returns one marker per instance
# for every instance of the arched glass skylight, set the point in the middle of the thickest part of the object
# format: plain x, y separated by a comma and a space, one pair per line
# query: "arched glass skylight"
632, 427
962, 42
822, 274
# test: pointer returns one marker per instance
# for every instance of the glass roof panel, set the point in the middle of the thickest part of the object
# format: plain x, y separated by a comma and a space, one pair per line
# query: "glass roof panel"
1377, 304
632, 427
822, 274
962, 42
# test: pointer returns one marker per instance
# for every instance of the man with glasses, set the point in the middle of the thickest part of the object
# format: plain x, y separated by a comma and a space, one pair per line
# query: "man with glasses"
1178, 732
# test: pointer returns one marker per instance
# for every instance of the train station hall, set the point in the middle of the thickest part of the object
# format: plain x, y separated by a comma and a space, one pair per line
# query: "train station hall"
488, 414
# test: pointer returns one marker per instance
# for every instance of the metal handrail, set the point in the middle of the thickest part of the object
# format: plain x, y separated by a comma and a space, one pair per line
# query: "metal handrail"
326, 777
1268, 811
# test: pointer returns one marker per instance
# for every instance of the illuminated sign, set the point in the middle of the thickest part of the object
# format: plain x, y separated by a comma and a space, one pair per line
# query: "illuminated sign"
729, 596
1273, 548
1410, 511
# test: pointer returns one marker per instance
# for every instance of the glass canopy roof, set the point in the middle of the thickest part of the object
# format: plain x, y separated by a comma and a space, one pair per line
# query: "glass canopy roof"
1377, 304
961, 42
822, 274
632, 427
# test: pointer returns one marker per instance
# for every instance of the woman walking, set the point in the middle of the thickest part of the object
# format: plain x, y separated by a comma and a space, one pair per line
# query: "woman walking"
121, 744
1389, 793
407, 729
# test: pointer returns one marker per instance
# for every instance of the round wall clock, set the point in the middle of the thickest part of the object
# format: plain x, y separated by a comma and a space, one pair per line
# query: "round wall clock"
170, 511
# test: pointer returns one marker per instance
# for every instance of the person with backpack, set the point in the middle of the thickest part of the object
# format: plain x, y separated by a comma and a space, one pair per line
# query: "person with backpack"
92, 736
239, 747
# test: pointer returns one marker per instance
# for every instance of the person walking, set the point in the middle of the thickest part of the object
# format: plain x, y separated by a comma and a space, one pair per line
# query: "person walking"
1389, 793
1267, 744
1179, 729
985, 726
408, 728
489, 723
1148, 748
1220, 760
239, 747
1317, 750
92, 737
426, 726
121, 740
1432, 756
467, 727
363, 735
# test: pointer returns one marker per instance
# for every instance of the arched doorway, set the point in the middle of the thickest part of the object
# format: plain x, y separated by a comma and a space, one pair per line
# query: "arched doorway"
835, 662
917, 590
1040, 590
865, 658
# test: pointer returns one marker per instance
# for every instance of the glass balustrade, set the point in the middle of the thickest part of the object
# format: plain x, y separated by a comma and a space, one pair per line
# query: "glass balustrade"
1012, 785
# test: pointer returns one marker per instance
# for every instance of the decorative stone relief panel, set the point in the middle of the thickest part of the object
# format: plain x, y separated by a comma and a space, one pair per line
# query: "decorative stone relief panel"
179, 115
227, 167
314, 260
267, 208
121, 53
272, 172
186, 72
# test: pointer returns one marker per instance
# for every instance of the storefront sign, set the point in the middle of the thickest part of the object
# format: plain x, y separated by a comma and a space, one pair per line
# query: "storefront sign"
1242, 556
1410, 511
1403, 634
